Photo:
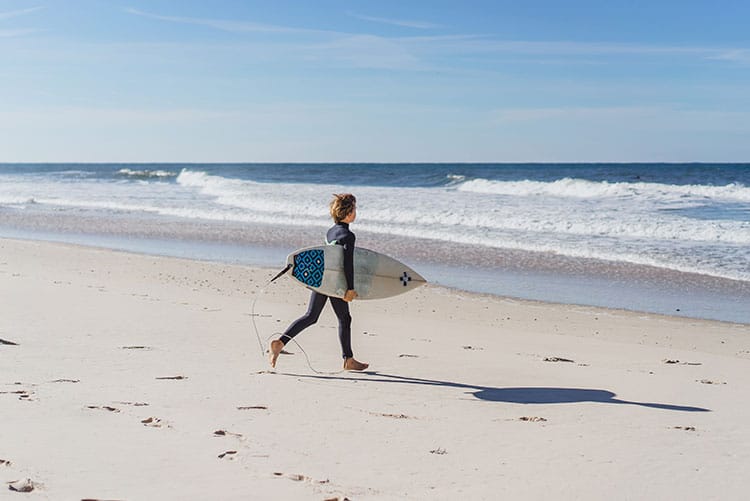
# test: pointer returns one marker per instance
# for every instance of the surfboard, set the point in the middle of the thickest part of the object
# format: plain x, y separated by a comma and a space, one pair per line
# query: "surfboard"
376, 276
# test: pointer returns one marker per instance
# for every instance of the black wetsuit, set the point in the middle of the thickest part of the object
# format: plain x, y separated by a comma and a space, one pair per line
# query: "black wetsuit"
339, 234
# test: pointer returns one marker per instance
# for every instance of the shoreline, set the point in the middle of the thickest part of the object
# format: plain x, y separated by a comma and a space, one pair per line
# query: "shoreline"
502, 273
436, 288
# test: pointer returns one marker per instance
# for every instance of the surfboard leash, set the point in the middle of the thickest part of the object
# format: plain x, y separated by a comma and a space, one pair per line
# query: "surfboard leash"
252, 310
257, 332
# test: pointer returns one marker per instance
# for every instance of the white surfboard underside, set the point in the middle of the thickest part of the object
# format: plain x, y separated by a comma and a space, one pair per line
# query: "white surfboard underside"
376, 276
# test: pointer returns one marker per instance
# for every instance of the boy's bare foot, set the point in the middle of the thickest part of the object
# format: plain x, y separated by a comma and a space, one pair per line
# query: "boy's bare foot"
350, 364
274, 350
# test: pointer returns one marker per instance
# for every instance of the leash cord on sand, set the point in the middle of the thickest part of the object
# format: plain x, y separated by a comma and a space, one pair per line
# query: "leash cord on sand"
257, 332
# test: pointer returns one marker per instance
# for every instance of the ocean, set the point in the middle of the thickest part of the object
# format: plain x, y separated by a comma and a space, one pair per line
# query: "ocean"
664, 238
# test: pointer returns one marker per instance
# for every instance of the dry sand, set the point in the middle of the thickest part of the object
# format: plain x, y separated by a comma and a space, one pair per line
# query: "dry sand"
137, 377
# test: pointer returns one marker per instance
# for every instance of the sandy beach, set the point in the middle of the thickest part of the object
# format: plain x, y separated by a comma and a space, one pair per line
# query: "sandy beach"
129, 377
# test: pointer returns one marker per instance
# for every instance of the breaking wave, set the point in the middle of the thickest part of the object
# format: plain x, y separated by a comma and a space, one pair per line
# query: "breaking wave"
581, 188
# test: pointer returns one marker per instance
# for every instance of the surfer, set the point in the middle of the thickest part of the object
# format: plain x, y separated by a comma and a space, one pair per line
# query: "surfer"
343, 211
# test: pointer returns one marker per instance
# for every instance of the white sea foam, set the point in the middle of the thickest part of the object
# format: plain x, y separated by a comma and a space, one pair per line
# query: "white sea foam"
12, 201
581, 188
75, 173
455, 179
634, 252
632, 222
146, 173
288, 200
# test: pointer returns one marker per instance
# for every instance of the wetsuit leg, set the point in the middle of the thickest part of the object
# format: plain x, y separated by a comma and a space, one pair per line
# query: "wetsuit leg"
317, 301
341, 308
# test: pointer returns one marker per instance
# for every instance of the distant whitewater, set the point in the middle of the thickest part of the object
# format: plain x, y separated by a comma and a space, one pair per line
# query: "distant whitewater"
685, 217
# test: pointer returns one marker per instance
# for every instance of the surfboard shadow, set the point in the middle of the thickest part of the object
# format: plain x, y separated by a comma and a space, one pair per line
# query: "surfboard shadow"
522, 395
568, 395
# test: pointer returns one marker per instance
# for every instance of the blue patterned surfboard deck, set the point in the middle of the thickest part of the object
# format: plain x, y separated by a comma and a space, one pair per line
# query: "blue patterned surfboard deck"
309, 266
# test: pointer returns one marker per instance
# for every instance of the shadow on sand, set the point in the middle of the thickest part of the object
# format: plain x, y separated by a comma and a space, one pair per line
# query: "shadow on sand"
529, 395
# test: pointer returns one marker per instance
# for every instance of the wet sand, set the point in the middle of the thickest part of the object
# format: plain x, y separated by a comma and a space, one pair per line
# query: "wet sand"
503, 272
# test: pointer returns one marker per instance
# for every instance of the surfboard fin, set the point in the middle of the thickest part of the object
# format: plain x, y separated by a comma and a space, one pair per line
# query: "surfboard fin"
281, 272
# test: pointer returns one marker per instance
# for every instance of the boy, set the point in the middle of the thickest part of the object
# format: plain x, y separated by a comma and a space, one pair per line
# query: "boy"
343, 209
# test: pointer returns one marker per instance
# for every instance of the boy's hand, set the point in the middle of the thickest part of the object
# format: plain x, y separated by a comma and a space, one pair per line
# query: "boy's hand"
350, 294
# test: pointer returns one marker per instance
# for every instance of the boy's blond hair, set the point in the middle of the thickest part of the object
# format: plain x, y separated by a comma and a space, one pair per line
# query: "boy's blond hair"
342, 205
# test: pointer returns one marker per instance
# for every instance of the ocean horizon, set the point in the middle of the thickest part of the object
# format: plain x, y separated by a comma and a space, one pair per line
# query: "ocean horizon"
665, 238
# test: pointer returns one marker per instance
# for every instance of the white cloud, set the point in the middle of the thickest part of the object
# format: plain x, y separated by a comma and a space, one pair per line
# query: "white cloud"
365, 51
415, 52
487, 44
16, 33
9, 33
607, 120
224, 25
16, 13
422, 25
78, 116
734, 55
74, 116
511, 115
336, 48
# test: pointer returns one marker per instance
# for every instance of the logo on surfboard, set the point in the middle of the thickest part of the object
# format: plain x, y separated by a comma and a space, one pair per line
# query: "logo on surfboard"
405, 279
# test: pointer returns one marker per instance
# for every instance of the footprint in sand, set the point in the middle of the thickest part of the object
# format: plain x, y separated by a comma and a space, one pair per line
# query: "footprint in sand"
297, 477
224, 433
558, 359
154, 422
24, 395
25, 485
708, 381
104, 408
394, 416
677, 362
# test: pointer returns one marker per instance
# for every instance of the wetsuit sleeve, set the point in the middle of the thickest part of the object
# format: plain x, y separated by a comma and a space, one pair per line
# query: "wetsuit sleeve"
349, 260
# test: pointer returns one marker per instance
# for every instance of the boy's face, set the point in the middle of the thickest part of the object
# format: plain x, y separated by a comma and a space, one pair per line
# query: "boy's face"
351, 216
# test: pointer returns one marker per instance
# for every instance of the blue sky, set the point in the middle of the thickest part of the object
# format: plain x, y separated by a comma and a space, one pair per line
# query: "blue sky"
374, 81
